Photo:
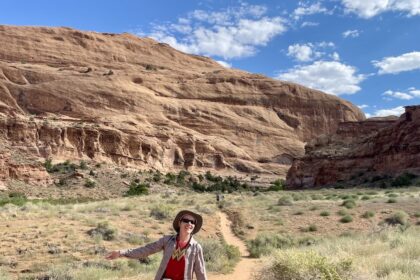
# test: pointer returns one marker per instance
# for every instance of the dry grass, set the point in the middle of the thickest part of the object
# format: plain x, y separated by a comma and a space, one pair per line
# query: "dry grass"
45, 239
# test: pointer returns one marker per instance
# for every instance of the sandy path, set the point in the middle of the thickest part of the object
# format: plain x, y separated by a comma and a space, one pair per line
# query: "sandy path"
246, 266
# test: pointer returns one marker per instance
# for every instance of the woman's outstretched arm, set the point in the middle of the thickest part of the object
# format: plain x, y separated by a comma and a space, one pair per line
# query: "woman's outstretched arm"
140, 252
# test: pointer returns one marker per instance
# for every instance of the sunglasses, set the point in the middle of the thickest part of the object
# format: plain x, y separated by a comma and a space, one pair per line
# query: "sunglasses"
184, 220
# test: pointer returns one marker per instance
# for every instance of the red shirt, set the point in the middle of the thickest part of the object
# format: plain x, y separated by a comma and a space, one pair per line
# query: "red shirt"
176, 264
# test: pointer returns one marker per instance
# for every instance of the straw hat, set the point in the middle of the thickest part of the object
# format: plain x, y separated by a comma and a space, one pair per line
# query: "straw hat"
198, 220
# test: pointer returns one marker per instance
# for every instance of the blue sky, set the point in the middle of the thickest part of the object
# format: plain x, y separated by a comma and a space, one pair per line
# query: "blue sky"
365, 51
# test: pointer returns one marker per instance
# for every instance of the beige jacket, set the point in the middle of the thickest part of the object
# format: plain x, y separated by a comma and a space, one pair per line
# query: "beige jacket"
194, 260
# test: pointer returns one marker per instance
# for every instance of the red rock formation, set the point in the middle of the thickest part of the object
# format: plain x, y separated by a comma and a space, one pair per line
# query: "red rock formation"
375, 147
130, 100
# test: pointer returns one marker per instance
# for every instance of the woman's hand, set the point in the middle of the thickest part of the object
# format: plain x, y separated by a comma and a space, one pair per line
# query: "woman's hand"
113, 255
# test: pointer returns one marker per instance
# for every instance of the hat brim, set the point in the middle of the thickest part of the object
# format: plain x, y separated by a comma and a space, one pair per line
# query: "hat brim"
197, 217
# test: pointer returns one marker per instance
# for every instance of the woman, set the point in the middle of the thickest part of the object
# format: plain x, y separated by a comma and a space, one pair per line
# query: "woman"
182, 255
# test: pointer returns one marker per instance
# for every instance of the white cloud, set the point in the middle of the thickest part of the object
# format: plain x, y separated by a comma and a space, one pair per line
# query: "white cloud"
310, 51
300, 52
363, 106
224, 63
309, 23
410, 94
351, 33
335, 56
397, 111
231, 33
371, 8
329, 76
414, 92
398, 95
396, 64
305, 9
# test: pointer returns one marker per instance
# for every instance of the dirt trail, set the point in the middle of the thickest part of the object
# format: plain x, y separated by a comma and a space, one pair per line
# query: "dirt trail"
246, 266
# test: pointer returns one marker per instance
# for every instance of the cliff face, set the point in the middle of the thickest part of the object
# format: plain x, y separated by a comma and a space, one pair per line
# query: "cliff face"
67, 94
368, 148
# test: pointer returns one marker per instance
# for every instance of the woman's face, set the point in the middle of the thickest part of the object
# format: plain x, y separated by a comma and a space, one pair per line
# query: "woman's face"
187, 224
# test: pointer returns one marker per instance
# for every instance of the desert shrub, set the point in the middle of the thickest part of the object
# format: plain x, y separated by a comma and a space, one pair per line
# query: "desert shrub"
349, 203
277, 185
137, 189
150, 67
317, 197
368, 214
398, 218
198, 187
346, 219
371, 192
404, 179
157, 176
314, 208
324, 213
392, 200
310, 228
298, 196
298, 213
285, 201
392, 195
265, 244
296, 265
83, 165
170, 178
15, 198
89, 183
342, 212
365, 197
104, 230
63, 167
219, 256
417, 214
161, 212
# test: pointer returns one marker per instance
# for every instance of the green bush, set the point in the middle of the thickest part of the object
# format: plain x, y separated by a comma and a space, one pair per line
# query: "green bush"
312, 228
346, 219
342, 212
404, 179
219, 256
392, 200
324, 213
398, 218
296, 265
365, 197
137, 189
89, 183
83, 165
285, 201
15, 198
349, 203
368, 214
104, 230
265, 244
63, 167
161, 212
277, 185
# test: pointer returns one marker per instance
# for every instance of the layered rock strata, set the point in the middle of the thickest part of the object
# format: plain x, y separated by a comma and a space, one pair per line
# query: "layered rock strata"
374, 147
67, 94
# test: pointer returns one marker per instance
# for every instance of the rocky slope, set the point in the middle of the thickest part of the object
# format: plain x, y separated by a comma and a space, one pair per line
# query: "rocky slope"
360, 151
67, 94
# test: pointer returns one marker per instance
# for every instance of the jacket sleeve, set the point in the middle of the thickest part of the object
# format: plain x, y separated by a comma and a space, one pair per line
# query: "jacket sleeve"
199, 265
144, 251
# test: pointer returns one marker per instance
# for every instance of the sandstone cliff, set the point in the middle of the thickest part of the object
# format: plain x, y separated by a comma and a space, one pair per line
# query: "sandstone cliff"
359, 151
67, 94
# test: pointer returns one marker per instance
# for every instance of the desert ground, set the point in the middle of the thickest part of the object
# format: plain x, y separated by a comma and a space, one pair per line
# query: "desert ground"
51, 238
